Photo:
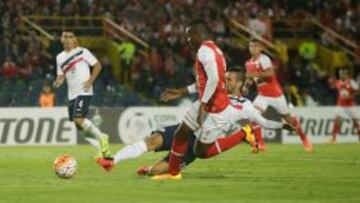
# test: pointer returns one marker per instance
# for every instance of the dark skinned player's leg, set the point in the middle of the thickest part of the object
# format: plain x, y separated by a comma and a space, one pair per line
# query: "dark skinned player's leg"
179, 147
162, 166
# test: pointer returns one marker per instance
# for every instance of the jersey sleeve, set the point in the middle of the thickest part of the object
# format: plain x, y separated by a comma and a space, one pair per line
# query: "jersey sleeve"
58, 66
265, 62
255, 116
206, 56
354, 85
90, 58
192, 88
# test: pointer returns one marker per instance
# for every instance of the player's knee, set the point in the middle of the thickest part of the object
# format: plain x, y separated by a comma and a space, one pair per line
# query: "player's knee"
78, 123
200, 152
183, 132
154, 141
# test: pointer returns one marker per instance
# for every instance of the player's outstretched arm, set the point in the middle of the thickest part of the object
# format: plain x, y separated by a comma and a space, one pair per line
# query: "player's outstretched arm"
172, 93
269, 124
59, 81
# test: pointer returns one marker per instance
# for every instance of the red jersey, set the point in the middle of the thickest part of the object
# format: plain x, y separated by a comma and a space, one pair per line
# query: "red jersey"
346, 90
210, 62
269, 86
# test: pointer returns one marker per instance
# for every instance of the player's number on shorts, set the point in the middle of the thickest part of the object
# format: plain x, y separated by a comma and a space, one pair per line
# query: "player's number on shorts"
80, 104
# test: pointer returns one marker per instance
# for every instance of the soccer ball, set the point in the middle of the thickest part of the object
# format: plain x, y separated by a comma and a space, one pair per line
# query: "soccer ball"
65, 166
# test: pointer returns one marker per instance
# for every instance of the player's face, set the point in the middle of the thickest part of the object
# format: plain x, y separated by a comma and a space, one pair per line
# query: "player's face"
191, 37
255, 48
343, 74
68, 39
232, 82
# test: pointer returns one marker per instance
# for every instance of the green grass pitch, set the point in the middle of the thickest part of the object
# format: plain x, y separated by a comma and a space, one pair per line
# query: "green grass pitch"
284, 173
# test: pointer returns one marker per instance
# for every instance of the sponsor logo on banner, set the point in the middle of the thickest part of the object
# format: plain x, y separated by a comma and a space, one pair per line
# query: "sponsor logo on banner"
138, 122
36, 126
318, 124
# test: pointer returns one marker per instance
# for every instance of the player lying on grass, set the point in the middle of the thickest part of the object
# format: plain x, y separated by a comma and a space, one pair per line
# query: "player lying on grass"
161, 140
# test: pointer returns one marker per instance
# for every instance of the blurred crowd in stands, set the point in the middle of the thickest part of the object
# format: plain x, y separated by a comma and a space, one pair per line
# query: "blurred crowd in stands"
161, 24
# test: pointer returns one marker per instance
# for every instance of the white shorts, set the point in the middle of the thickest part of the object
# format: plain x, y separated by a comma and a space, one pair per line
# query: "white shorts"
345, 112
278, 103
215, 125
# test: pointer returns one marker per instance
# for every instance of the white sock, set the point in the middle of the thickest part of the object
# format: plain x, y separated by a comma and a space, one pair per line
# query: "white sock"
93, 142
131, 151
89, 127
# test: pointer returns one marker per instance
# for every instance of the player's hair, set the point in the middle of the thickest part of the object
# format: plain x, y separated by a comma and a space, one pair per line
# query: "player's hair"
256, 40
199, 26
67, 30
238, 71
71, 31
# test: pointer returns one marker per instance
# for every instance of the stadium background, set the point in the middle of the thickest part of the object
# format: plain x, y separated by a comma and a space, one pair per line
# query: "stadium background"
307, 40
141, 46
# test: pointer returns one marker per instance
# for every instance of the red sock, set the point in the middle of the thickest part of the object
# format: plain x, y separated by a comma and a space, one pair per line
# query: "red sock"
258, 134
225, 143
336, 128
356, 125
178, 149
299, 130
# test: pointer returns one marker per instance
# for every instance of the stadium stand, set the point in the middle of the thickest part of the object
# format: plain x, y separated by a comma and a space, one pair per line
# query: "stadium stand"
27, 58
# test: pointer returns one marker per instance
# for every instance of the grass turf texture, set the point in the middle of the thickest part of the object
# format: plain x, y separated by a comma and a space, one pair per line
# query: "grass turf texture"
285, 173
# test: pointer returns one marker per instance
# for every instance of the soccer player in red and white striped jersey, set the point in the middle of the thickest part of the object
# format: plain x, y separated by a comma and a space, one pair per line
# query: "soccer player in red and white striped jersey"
260, 70
209, 114
347, 88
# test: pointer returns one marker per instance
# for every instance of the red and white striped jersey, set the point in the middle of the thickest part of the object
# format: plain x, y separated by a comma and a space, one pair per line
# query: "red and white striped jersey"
346, 90
269, 86
75, 65
210, 66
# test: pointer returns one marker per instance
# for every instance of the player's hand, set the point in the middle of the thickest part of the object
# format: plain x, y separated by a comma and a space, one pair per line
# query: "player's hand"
202, 114
87, 85
244, 90
171, 94
57, 84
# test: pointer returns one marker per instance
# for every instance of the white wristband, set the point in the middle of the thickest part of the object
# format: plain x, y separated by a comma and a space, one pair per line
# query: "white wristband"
191, 88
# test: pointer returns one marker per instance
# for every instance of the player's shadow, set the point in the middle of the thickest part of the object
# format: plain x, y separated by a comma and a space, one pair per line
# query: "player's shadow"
217, 176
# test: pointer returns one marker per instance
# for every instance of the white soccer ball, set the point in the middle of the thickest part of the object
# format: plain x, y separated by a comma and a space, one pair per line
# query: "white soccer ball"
65, 166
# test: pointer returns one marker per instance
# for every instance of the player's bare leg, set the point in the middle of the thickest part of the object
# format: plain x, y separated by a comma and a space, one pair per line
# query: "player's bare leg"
296, 123
336, 129
132, 151
89, 129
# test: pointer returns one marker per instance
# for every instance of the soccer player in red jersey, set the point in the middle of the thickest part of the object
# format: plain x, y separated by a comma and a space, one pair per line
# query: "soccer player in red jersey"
212, 114
346, 88
259, 69
208, 112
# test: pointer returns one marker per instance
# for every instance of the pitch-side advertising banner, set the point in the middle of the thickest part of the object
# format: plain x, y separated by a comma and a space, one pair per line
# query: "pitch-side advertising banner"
318, 124
36, 126
42, 126
138, 122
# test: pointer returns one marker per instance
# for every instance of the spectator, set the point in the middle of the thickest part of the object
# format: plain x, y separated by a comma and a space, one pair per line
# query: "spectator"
127, 51
47, 97
9, 69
